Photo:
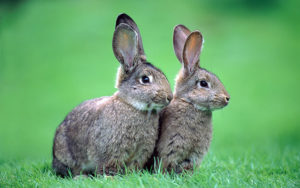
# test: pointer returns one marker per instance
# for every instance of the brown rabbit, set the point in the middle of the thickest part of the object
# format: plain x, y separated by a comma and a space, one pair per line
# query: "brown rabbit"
103, 134
186, 128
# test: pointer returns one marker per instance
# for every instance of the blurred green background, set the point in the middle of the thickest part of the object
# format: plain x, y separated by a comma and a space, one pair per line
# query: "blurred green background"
56, 54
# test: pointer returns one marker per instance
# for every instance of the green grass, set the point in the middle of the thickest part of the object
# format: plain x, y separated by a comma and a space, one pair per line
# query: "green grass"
56, 54
251, 169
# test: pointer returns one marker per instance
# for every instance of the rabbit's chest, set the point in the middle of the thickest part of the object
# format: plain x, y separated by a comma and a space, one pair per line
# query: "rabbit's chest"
201, 134
197, 129
125, 134
140, 131
139, 140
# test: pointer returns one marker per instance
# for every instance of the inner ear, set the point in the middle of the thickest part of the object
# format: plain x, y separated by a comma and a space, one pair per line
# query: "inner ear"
179, 37
125, 46
124, 18
191, 51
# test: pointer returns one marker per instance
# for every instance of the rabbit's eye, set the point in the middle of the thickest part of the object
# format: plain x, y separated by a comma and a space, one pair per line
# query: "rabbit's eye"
145, 79
203, 83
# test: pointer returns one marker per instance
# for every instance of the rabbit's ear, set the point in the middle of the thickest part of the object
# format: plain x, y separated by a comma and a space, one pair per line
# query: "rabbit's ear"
125, 46
124, 18
191, 51
179, 37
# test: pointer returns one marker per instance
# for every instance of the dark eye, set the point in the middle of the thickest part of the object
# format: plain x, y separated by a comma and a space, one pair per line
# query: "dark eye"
203, 83
145, 80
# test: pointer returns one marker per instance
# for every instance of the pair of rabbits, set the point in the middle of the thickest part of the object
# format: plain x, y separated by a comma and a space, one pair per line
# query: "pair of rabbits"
105, 134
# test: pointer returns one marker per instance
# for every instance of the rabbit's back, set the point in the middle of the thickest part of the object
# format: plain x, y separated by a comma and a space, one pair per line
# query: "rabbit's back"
129, 137
102, 131
71, 136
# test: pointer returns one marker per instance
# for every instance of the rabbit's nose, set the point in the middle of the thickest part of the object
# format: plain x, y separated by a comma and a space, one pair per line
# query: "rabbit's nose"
162, 97
169, 98
226, 99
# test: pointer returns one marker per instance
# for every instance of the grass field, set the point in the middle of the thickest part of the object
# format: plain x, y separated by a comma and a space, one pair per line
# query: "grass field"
56, 54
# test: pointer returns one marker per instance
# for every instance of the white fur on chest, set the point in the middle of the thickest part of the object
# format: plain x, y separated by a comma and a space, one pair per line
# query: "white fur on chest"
202, 108
144, 106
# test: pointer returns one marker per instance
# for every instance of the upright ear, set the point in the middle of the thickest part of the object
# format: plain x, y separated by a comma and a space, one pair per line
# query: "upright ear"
124, 18
179, 37
125, 46
191, 51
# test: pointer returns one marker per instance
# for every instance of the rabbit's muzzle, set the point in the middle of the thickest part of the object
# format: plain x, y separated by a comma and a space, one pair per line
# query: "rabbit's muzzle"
224, 99
162, 97
219, 101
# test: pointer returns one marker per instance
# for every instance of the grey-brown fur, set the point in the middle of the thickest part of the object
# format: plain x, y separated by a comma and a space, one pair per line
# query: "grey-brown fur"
103, 134
186, 128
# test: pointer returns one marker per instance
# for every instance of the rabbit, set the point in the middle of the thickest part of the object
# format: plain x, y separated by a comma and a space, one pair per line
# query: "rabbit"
102, 135
186, 123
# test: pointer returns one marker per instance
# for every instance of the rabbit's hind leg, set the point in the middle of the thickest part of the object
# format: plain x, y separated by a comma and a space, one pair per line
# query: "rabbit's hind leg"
60, 168
108, 170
